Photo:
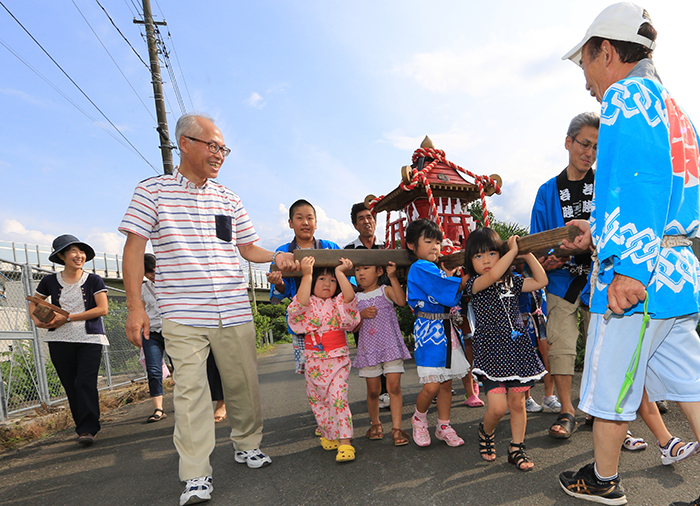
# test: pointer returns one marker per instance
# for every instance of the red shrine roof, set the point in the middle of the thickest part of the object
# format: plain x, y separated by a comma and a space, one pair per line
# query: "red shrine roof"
445, 181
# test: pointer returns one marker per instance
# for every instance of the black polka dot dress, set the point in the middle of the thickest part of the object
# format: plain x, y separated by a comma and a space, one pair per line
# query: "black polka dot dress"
502, 349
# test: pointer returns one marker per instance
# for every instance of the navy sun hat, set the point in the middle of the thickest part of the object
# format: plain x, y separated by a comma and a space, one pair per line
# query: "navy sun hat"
64, 241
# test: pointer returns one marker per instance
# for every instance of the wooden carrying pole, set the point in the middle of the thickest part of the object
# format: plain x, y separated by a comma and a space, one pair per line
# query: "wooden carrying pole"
539, 244
542, 243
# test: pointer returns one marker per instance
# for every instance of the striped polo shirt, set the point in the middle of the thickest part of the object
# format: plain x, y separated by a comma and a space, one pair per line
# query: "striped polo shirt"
194, 233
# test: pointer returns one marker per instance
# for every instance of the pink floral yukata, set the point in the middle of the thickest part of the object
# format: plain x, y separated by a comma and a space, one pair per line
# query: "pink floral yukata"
327, 359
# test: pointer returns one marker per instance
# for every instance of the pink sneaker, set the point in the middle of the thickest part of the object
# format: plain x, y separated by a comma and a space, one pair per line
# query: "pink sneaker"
447, 434
421, 436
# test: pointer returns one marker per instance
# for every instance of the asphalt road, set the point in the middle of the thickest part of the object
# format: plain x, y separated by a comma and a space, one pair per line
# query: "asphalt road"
133, 463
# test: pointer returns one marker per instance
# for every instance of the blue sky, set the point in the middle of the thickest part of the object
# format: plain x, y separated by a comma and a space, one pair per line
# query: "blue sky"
318, 100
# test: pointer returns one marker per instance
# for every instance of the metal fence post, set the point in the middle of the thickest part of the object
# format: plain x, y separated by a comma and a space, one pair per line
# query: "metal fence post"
3, 400
37, 348
108, 365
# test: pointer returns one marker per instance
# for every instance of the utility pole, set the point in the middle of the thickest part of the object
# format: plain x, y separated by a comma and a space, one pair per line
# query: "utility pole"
162, 129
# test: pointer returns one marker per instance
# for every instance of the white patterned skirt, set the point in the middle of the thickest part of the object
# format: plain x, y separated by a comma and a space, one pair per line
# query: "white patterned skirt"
459, 369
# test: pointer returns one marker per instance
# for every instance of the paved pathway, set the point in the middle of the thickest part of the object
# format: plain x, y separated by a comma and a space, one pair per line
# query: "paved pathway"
134, 463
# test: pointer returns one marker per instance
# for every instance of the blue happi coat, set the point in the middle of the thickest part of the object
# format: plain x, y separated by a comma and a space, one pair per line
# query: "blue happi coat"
430, 290
646, 187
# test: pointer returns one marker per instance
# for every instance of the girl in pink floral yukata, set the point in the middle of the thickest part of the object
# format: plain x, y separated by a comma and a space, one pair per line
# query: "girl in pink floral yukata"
323, 309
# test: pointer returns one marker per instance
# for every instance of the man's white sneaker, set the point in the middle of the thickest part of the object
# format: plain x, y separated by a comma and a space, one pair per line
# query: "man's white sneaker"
551, 404
384, 401
531, 406
253, 458
197, 490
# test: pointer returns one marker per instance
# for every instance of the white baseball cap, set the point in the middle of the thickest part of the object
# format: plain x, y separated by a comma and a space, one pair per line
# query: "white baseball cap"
620, 21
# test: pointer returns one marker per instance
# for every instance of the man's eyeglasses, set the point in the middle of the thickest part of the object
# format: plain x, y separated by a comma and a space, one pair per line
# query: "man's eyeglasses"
213, 146
586, 145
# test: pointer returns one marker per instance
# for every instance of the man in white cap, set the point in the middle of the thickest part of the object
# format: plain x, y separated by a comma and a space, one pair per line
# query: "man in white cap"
645, 277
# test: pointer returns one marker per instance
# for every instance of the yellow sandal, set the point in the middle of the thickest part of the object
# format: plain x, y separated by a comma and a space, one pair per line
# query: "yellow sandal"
329, 444
346, 453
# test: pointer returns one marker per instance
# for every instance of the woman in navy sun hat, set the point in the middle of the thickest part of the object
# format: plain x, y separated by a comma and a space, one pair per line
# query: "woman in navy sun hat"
75, 342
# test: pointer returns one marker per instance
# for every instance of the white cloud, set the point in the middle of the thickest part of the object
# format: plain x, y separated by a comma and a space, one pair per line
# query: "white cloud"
454, 140
327, 228
14, 231
102, 242
279, 88
21, 94
255, 100
107, 242
333, 230
527, 64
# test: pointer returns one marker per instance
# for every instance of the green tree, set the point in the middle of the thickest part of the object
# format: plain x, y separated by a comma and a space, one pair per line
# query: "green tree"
504, 229
278, 320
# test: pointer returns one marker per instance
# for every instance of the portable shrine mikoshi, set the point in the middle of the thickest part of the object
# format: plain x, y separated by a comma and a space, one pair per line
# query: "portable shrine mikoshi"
432, 187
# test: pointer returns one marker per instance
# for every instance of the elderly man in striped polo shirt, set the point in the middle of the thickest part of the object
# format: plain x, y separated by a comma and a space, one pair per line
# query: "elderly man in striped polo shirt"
196, 227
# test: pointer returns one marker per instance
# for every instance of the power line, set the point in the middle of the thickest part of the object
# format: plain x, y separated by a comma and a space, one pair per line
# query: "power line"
166, 61
76, 85
16, 55
123, 36
129, 7
114, 61
177, 59
137, 7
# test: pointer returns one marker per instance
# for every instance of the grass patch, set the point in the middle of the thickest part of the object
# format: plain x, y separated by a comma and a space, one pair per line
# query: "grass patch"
47, 420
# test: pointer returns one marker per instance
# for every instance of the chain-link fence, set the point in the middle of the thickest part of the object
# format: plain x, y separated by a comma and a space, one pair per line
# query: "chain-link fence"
27, 376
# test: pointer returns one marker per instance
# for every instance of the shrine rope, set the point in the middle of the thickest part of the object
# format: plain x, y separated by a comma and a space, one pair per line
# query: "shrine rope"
421, 176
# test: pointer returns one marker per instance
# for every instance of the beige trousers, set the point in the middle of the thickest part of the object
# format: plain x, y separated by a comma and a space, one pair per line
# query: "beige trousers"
563, 331
236, 359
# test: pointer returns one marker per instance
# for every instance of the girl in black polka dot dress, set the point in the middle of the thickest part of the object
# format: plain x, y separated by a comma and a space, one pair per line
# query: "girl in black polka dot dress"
503, 354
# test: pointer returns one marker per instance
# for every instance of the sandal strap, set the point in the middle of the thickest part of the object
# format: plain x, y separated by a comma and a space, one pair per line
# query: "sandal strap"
486, 438
487, 443
398, 433
519, 456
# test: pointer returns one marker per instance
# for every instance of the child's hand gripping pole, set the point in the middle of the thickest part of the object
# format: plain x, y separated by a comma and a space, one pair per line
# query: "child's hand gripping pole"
632, 368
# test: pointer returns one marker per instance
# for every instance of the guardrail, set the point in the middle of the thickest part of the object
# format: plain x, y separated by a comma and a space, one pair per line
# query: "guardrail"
106, 265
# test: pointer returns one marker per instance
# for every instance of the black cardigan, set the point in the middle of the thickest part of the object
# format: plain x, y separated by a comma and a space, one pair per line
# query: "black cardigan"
50, 287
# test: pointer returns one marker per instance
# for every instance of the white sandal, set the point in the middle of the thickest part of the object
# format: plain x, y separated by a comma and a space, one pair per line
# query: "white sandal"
634, 444
684, 451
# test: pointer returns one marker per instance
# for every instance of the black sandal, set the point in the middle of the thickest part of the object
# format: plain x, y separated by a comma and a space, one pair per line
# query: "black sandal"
155, 417
567, 422
519, 457
487, 444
